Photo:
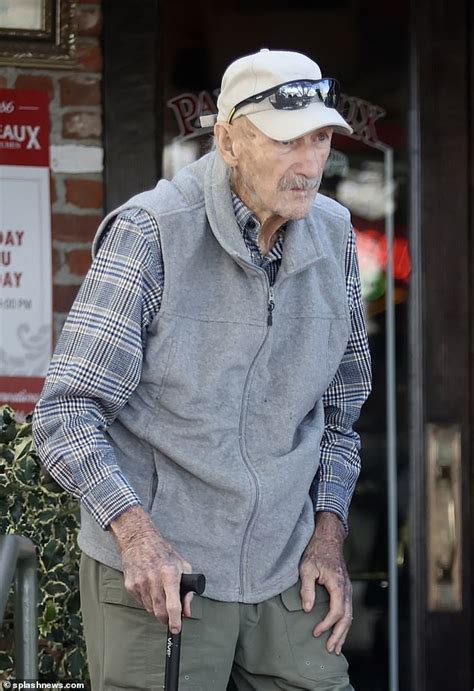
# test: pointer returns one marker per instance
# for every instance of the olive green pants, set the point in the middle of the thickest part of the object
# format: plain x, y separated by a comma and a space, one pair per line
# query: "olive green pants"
225, 645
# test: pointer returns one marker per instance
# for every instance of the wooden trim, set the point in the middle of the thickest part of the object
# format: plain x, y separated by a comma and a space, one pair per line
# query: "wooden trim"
416, 417
51, 46
131, 98
441, 316
470, 510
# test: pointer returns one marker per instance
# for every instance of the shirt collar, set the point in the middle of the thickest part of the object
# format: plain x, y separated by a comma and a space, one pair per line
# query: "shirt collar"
249, 225
246, 219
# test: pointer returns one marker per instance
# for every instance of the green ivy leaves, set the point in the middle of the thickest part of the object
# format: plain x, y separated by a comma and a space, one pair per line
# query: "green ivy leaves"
32, 504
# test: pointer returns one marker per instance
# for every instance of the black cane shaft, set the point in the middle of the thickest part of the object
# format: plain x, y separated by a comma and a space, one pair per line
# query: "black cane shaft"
190, 582
173, 654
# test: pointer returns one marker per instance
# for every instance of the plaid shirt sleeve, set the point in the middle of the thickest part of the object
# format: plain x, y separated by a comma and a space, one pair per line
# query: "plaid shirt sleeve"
97, 365
339, 465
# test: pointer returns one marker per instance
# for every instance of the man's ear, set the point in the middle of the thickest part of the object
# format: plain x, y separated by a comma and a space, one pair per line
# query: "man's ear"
224, 133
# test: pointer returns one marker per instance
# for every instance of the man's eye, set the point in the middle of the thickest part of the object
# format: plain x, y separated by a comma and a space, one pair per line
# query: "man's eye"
324, 136
286, 143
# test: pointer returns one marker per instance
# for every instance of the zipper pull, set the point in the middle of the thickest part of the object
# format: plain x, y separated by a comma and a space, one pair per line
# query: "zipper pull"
271, 305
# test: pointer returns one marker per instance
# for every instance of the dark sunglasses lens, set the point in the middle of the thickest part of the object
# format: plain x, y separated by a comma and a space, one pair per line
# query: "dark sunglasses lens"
329, 92
300, 94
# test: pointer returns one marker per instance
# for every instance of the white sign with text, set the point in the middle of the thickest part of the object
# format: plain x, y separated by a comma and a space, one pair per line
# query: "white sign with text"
25, 271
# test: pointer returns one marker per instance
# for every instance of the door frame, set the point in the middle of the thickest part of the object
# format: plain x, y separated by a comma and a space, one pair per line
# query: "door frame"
441, 314
131, 92
441, 327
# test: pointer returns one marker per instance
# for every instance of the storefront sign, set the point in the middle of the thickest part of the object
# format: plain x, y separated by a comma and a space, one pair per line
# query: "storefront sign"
189, 107
25, 247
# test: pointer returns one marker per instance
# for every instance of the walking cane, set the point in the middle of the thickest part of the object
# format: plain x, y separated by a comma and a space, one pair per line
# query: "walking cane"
190, 582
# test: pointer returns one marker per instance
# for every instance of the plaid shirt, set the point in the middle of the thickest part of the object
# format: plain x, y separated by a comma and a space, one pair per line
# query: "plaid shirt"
98, 359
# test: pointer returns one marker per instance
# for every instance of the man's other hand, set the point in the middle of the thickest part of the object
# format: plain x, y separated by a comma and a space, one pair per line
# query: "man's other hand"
323, 562
152, 569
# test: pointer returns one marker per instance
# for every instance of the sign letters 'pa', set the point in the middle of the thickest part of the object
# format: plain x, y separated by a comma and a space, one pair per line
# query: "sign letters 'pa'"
25, 247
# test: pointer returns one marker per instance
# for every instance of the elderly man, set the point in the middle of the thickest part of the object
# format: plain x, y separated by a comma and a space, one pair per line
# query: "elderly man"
201, 400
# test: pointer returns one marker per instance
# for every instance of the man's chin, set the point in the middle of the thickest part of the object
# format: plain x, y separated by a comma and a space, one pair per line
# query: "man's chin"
297, 209
297, 213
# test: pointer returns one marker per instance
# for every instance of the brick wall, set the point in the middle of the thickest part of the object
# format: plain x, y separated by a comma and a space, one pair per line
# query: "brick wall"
76, 154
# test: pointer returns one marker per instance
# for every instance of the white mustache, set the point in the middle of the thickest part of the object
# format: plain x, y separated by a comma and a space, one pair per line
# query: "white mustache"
298, 182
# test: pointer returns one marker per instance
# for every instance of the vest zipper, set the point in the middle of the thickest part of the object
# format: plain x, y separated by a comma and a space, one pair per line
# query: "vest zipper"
270, 308
271, 305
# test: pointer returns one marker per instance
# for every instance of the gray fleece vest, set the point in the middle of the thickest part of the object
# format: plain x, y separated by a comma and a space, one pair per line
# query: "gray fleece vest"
221, 438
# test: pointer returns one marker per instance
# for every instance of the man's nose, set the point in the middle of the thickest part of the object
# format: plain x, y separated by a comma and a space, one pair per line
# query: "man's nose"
311, 163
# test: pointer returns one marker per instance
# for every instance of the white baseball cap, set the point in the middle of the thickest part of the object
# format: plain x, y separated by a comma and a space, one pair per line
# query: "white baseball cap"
282, 114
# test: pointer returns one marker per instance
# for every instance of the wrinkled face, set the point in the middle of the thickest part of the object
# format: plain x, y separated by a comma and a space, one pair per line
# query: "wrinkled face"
278, 178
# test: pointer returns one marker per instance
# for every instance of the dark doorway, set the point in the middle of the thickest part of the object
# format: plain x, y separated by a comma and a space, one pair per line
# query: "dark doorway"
405, 70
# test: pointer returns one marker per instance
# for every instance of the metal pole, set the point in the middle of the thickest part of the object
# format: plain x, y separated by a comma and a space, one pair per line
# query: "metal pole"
18, 554
8, 560
26, 634
392, 489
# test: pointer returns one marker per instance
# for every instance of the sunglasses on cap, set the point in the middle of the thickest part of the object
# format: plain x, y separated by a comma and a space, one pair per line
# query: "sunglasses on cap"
295, 95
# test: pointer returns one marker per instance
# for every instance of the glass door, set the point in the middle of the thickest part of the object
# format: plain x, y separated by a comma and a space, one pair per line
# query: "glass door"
365, 45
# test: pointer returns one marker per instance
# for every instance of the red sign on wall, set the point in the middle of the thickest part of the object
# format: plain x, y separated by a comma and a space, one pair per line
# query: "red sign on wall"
25, 247
24, 128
